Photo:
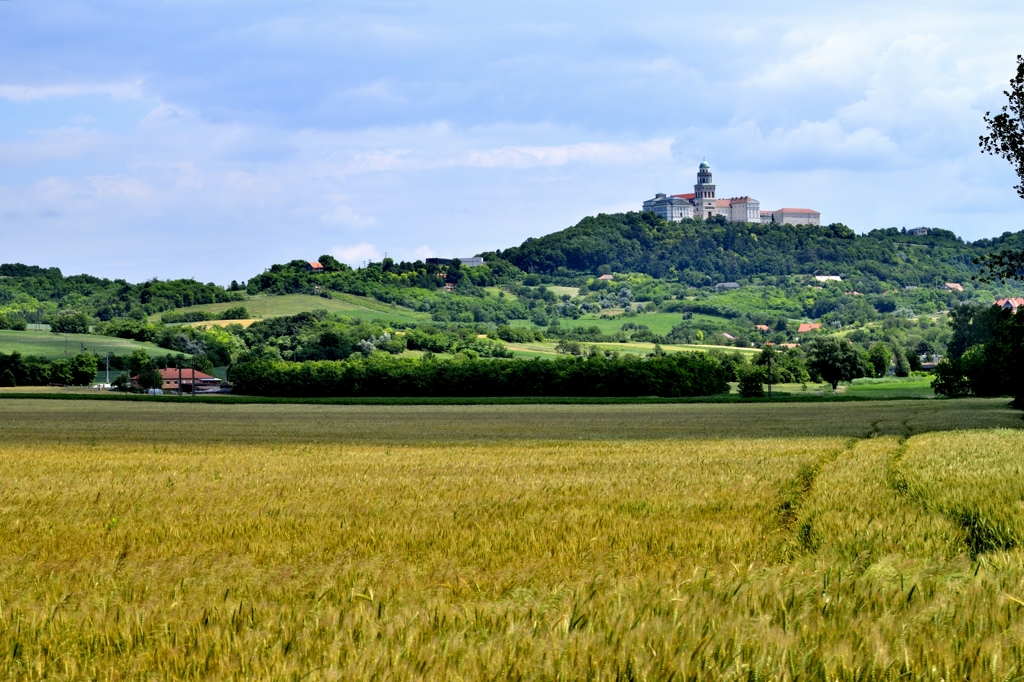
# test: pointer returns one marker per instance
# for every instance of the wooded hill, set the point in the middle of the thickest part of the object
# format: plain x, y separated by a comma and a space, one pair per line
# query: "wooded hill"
698, 253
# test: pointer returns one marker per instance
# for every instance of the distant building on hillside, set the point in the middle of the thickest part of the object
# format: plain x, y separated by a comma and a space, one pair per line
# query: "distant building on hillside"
702, 203
315, 266
473, 262
918, 232
725, 286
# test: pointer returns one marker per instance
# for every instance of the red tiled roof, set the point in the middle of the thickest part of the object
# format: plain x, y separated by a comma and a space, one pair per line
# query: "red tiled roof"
795, 210
315, 264
691, 195
186, 374
762, 327
807, 327
723, 203
1013, 302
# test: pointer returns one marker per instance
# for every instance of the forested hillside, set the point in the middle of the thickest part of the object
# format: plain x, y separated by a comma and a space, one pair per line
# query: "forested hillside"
37, 295
698, 253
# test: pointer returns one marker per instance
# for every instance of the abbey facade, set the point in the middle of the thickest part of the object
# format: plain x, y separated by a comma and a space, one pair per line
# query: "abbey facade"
703, 203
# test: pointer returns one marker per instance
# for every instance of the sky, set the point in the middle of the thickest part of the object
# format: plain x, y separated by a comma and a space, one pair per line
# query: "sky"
213, 138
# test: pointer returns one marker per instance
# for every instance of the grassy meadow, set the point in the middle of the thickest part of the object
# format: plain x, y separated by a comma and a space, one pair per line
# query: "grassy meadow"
52, 346
261, 307
871, 540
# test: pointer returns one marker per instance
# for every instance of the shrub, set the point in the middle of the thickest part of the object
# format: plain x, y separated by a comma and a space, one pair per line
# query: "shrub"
237, 313
751, 381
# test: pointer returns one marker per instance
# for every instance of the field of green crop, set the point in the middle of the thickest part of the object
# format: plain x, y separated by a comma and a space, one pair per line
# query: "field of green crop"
292, 304
546, 349
855, 541
53, 346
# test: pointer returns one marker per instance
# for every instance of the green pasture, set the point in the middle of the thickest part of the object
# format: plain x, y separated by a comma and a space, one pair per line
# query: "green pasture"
55, 346
547, 349
262, 307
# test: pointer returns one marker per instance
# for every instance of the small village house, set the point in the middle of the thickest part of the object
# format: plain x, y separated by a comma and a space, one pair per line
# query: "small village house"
170, 376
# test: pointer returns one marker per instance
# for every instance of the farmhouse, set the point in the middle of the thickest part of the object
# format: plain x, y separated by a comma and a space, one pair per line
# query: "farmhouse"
315, 266
170, 376
1009, 303
807, 327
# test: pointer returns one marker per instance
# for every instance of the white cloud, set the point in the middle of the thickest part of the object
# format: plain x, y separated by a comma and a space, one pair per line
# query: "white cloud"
343, 215
355, 255
28, 93
424, 252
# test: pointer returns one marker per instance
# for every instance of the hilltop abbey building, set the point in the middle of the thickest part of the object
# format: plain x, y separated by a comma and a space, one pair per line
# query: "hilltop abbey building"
703, 204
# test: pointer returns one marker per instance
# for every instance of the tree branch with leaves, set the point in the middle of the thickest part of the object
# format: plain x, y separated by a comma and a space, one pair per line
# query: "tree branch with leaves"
1006, 139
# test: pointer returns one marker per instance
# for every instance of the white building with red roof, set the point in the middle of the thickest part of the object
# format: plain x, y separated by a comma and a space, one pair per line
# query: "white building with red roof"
702, 203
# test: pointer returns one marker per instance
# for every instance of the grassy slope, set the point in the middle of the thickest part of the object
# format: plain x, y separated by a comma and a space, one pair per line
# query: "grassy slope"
547, 349
293, 304
701, 542
52, 346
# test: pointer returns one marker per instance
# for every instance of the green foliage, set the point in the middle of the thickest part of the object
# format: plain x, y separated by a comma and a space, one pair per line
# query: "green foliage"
518, 334
202, 363
7, 379
834, 360
704, 252
787, 367
236, 313
13, 323
70, 322
681, 374
752, 380
880, 356
190, 316
38, 294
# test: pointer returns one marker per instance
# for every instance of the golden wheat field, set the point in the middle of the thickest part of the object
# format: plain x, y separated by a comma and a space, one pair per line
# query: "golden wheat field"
851, 541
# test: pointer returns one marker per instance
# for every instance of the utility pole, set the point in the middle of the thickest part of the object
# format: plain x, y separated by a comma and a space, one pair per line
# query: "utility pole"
179, 378
769, 375
107, 381
193, 376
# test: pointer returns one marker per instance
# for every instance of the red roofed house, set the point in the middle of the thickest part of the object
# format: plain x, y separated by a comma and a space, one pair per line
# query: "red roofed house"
762, 328
807, 327
314, 266
204, 382
607, 277
1010, 303
953, 286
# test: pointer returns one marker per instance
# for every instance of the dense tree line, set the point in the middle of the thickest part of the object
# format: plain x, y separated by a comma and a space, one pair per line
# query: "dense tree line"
678, 375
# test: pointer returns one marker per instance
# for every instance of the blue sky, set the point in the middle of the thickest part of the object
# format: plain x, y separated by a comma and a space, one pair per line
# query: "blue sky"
210, 139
